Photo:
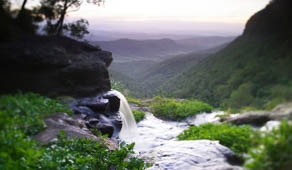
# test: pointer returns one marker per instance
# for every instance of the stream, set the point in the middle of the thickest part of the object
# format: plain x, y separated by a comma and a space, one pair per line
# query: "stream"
156, 143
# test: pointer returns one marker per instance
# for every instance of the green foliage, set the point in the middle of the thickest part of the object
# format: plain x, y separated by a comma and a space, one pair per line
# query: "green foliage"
78, 28
237, 138
138, 115
25, 111
21, 117
172, 109
250, 72
17, 151
87, 154
274, 150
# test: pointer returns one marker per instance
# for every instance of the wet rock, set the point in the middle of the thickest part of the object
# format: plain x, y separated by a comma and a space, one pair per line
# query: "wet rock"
72, 127
106, 129
114, 102
97, 104
198, 154
253, 118
92, 123
82, 110
100, 112
280, 112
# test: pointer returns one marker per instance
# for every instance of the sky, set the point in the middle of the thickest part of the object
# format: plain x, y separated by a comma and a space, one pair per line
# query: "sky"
204, 16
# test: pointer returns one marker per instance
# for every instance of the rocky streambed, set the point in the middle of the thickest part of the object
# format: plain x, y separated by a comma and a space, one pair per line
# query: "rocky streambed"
157, 144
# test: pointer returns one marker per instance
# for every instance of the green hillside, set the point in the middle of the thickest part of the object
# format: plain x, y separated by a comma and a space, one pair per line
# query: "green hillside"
154, 76
255, 70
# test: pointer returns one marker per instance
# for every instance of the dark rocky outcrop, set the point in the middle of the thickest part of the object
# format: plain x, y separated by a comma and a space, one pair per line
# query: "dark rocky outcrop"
89, 114
275, 18
53, 66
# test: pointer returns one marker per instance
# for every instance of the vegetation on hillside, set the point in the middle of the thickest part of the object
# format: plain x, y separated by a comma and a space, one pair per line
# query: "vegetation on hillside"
253, 71
237, 138
172, 109
21, 118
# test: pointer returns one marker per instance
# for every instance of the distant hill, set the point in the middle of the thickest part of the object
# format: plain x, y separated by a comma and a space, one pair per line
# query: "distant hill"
156, 74
125, 50
132, 58
253, 71
145, 81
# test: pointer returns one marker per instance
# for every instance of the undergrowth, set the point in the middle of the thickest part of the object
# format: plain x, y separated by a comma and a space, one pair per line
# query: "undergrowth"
138, 115
172, 109
22, 117
274, 150
237, 138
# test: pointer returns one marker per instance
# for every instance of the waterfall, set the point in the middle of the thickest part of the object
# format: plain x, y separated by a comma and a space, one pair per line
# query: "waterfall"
129, 127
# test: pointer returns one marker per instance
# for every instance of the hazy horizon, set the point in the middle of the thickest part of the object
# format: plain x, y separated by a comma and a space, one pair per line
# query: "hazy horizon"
184, 17
192, 17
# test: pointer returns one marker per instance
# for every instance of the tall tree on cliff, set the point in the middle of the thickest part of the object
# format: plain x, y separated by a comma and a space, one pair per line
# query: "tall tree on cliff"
56, 10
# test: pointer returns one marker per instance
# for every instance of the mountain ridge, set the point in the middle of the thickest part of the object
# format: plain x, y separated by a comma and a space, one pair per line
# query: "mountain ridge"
252, 71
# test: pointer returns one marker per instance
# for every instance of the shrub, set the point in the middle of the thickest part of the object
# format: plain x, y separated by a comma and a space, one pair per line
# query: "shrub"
25, 111
237, 138
21, 117
168, 108
274, 150
139, 115
87, 154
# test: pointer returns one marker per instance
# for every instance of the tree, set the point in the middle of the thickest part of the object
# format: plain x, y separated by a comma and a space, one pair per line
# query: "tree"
22, 9
56, 10
77, 29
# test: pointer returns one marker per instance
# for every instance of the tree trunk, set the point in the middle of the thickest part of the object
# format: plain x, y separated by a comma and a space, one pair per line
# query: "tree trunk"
21, 12
60, 22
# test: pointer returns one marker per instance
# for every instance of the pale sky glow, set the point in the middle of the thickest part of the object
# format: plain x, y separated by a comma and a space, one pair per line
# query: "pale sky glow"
235, 11
214, 17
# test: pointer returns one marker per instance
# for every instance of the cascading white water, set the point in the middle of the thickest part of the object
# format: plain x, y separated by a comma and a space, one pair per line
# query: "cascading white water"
129, 127
155, 141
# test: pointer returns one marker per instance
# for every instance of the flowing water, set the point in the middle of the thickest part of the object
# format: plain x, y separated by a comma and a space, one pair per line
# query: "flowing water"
156, 143
129, 128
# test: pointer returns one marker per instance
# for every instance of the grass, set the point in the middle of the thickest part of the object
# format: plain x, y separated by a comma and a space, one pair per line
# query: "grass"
237, 138
21, 118
171, 109
138, 115
274, 150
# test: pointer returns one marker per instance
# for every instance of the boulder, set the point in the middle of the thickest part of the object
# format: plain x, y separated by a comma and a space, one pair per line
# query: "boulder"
259, 118
197, 154
254, 118
53, 66
100, 112
282, 111
73, 128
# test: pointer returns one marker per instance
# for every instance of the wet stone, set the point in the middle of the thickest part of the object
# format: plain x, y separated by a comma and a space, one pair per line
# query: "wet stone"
100, 112
97, 104
114, 102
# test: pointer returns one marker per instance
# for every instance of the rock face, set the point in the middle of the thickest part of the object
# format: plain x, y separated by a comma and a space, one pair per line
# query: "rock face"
275, 18
53, 66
